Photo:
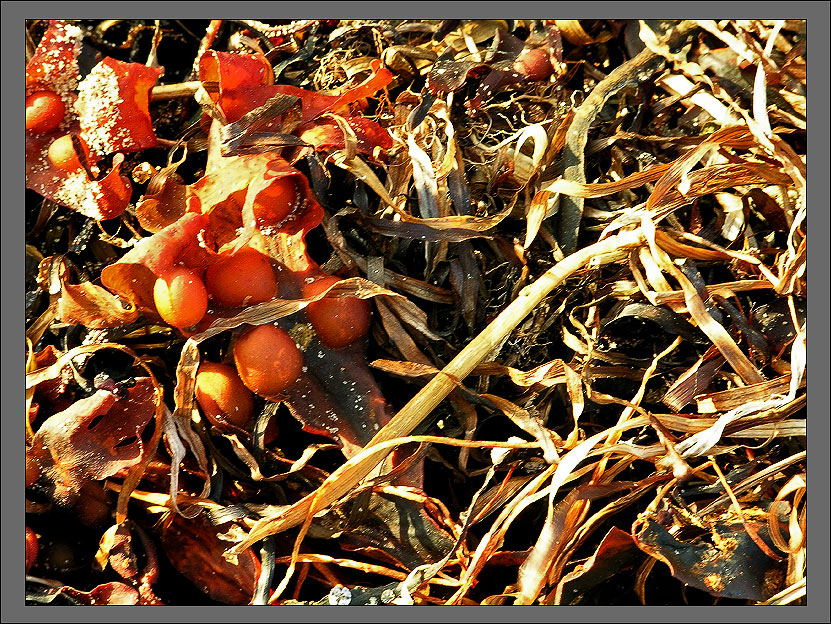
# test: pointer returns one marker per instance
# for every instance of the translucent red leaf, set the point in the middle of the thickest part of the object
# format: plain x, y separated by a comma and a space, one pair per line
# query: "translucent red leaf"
94, 438
236, 83
109, 112
312, 103
224, 175
239, 83
225, 216
368, 134
105, 198
54, 65
112, 107
222, 193
223, 197
315, 104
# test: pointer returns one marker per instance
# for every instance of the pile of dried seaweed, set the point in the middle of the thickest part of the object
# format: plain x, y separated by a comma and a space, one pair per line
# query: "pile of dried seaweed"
584, 244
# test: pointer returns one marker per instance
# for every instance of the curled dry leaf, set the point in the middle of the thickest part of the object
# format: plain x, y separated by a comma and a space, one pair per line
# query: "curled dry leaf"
91, 305
94, 438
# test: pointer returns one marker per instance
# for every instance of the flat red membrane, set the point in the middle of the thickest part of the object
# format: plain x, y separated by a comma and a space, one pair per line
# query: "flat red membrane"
112, 107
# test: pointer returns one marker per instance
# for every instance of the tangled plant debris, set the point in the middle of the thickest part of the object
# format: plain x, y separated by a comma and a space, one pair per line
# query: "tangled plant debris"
451, 312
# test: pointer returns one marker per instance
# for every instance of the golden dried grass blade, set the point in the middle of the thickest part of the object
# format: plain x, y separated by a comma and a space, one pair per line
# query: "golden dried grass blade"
573, 32
424, 179
574, 387
694, 380
530, 424
602, 189
733, 43
735, 397
398, 335
361, 170
334, 487
714, 330
542, 205
725, 289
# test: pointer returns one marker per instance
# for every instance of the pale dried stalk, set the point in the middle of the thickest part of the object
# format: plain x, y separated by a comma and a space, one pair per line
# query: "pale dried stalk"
788, 595
175, 90
412, 414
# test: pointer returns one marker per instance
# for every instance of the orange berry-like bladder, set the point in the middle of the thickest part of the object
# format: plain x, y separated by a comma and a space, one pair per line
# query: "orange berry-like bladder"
45, 111
338, 321
222, 395
180, 297
31, 549
62, 154
268, 360
244, 278
275, 202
